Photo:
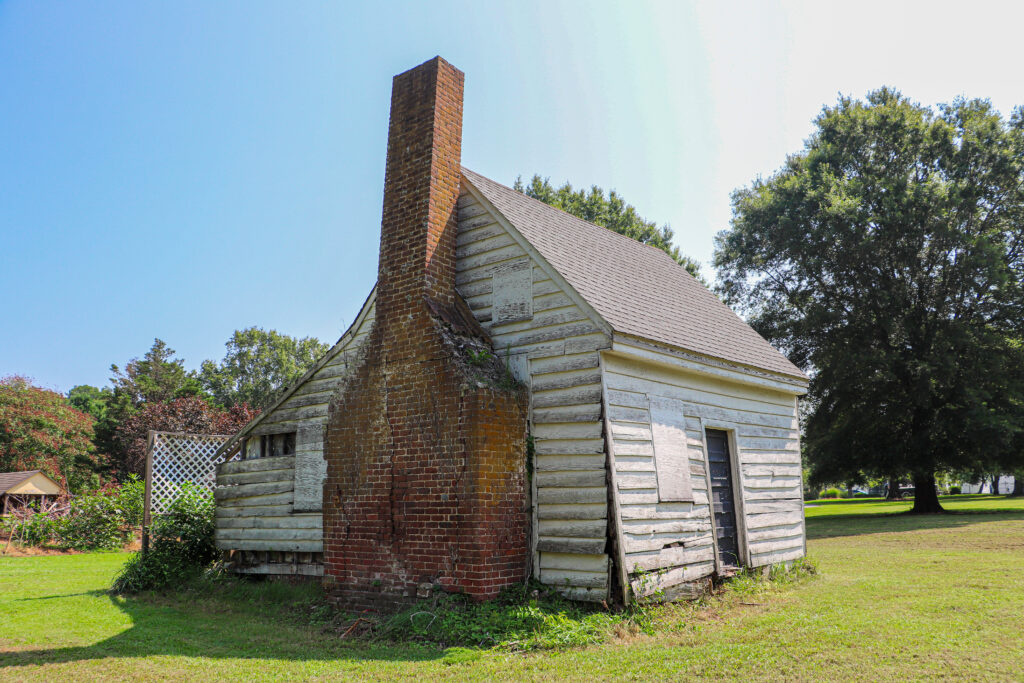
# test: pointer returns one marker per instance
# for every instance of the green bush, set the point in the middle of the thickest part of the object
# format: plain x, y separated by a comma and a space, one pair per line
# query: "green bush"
861, 494
954, 490
130, 500
94, 523
181, 545
831, 493
101, 520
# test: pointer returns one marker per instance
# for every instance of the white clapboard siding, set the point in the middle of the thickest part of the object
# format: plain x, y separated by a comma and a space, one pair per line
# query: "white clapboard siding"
556, 349
255, 508
675, 540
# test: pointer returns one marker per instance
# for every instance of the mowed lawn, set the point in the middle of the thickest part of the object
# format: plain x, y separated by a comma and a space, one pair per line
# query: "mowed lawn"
897, 597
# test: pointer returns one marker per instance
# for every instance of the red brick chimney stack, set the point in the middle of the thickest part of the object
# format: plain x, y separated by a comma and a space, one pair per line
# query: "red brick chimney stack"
421, 186
426, 483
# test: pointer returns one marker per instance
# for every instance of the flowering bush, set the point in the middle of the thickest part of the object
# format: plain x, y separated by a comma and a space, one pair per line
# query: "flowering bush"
40, 430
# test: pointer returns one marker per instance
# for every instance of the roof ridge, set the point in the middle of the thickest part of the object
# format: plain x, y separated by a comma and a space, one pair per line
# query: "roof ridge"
577, 218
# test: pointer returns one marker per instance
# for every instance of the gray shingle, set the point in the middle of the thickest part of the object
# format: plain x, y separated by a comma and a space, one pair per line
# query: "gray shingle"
639, 290
8, 480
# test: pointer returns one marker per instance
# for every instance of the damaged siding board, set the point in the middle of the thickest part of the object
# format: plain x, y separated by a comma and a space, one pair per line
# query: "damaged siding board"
512, 292
551, 345
765, 424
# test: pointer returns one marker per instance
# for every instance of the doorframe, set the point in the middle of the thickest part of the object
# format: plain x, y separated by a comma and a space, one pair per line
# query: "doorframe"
739, 503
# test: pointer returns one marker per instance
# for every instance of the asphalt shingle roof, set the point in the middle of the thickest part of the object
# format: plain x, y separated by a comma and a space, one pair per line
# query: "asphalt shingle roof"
9, 480
639, 290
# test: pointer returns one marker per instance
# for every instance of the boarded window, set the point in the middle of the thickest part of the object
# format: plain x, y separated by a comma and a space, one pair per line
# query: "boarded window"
671, 454
512, 292
310, 468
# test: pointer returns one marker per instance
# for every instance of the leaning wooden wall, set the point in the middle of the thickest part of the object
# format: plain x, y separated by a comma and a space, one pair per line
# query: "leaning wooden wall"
673, 540
554, 349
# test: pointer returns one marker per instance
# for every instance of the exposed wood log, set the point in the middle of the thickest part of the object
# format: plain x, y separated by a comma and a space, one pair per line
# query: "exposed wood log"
260, 464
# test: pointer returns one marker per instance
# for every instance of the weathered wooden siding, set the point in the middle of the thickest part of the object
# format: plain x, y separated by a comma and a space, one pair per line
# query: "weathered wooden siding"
668, 543
273, 504
552, 345
254, 508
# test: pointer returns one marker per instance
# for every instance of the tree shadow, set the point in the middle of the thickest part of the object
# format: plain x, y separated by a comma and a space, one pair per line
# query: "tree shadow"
173, 625
833, 526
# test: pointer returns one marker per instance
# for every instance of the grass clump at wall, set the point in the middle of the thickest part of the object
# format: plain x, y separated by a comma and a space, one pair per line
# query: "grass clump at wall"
522, 618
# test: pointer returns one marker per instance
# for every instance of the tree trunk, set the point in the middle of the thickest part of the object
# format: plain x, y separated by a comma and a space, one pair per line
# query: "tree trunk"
1018, 485
926, 498
894, 489
995, 484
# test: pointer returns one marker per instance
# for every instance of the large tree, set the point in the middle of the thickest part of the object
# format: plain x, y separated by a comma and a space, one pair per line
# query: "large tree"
610, 211
258, 365
40, 430
887, 258
157, 377
191, 414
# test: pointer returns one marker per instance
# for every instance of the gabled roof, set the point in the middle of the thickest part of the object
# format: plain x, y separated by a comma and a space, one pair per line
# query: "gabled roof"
639, 290
9, 480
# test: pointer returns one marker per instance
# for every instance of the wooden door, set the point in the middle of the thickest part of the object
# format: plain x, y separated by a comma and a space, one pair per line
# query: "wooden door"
722, 498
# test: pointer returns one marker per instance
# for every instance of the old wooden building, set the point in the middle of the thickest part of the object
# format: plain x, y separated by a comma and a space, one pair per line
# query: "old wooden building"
662, 430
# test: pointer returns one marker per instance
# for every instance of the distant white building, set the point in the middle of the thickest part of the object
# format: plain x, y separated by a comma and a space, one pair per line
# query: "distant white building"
1004, 486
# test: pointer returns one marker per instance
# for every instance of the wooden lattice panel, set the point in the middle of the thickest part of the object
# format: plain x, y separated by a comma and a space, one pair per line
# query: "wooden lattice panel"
177, 458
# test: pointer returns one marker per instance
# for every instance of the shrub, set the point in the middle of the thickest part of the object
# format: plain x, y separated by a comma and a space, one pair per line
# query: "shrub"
831, 493
861, 494
954, 490
181, 545
93, 523
101, 520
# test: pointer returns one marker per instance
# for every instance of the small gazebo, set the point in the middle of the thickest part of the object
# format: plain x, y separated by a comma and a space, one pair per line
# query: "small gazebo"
18, 489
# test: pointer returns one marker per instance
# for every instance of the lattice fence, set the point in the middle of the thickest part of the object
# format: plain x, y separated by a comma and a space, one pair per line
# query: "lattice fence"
174, 458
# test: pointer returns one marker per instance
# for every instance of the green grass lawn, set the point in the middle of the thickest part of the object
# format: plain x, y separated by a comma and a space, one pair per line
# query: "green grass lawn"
897, 597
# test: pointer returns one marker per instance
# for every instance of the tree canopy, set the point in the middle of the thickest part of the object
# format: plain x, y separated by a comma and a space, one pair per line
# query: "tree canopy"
887, 258
610, 211
258, 365
191, 414
40, 430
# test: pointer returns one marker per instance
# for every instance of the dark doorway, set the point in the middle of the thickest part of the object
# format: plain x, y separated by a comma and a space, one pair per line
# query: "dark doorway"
723, 502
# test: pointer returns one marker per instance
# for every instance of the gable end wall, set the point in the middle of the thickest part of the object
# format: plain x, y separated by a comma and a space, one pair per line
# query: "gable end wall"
555, 351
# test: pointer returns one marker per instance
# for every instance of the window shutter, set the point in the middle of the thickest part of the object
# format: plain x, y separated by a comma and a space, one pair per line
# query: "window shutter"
671, 454
512, 292
310, 468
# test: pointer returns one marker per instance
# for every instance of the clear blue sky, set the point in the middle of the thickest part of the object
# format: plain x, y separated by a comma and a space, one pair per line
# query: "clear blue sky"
181, 170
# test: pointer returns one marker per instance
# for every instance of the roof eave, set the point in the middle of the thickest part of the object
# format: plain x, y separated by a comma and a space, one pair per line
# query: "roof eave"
795, 384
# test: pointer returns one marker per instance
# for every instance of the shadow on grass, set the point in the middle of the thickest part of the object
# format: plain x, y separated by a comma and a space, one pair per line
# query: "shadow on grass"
176, 626
833, 526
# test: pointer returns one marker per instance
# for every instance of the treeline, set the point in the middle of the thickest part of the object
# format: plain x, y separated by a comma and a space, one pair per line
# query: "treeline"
886, 259
97, 434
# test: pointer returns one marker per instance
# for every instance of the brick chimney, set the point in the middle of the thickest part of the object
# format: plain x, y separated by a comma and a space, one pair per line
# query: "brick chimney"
421, 186
426, 485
